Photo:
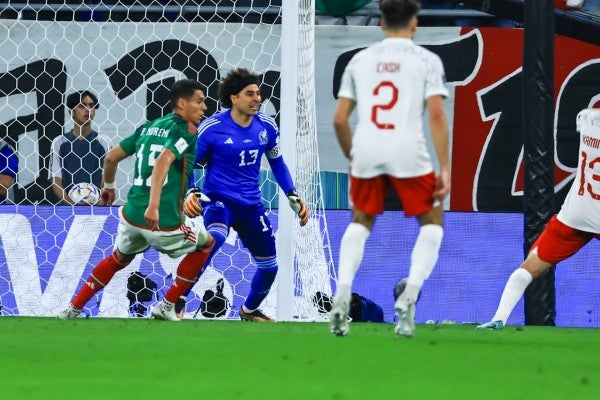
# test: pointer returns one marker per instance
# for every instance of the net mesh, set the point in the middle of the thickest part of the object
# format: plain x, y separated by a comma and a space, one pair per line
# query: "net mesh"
314, 262
128, 54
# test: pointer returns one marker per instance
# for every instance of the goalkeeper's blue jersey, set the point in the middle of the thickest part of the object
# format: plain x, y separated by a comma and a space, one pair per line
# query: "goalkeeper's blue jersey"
233, 154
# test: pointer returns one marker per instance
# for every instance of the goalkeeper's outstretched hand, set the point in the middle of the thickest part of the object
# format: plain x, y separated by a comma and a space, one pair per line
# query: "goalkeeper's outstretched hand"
299, 207
191, 204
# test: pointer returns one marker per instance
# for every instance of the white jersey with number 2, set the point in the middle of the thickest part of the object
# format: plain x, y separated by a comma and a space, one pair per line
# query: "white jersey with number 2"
581, 209
390, 82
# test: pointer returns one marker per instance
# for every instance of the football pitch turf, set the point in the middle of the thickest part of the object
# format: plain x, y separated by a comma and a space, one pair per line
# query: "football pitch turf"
44, 358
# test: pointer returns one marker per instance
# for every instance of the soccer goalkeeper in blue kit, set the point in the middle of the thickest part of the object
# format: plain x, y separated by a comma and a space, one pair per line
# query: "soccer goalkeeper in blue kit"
232, 144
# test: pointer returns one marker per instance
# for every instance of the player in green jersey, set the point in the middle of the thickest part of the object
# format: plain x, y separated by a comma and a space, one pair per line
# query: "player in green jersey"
165, 151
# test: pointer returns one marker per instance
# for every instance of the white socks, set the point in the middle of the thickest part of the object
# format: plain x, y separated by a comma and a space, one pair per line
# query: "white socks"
351, 253
423, 259
513, 291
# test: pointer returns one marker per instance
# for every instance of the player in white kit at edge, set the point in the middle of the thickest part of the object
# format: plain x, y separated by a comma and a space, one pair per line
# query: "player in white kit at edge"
577, 222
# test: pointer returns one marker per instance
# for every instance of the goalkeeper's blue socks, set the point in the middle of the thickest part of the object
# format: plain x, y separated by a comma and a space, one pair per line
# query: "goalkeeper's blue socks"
261, 282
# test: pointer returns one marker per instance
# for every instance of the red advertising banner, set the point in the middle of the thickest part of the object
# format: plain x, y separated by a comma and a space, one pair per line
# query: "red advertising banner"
487, 170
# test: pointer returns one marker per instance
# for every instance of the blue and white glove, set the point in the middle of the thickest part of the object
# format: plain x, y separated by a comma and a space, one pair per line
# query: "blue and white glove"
299, 206
191, 204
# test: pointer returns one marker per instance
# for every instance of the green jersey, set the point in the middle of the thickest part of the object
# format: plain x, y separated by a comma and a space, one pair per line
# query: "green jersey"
148, 141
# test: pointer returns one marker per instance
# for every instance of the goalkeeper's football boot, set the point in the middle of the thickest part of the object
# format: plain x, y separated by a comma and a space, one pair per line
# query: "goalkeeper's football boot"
254, 316
71, 312
405, 311
338, 317
164, 311
491, 326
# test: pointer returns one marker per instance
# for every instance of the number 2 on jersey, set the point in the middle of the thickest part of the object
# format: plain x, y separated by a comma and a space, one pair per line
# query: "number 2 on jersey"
385, 106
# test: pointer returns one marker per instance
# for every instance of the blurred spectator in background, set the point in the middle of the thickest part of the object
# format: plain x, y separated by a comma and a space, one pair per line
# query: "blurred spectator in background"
483, 22
9, 164
459, 20
437, 20
78, 155
336, 12
437, 13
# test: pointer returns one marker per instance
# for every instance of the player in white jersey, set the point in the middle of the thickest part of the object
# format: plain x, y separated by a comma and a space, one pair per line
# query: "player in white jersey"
577, 222
390, 83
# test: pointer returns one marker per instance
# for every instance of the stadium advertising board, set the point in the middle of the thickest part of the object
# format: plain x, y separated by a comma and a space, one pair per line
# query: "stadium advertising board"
47, 253
132, 73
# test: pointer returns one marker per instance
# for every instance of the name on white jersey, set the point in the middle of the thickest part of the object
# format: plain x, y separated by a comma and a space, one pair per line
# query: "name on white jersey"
591, 141
388, 67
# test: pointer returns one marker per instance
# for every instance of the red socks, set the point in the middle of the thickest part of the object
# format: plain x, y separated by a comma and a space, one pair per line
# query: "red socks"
100, 276
189, 268
187, 273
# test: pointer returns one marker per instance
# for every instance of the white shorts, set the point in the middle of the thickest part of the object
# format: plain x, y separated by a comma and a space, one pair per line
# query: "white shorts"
187, 238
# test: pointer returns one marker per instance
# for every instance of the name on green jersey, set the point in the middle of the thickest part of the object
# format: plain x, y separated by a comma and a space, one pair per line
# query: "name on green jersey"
155, 131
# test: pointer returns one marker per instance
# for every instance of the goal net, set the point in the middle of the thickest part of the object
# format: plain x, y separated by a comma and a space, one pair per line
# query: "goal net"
128, 55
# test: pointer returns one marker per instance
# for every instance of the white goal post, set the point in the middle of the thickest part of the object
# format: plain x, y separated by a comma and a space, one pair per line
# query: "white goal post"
128, 55
313, 266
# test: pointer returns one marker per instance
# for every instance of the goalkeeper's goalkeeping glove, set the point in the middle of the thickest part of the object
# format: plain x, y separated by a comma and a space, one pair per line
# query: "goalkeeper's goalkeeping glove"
299, 206
191, 204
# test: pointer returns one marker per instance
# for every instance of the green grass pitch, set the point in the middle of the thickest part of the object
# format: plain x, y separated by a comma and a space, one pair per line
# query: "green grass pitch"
44, 358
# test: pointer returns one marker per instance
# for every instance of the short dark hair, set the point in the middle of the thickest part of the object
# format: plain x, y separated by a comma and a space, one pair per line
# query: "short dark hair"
398, 13
75, 99
184, 88
234, 82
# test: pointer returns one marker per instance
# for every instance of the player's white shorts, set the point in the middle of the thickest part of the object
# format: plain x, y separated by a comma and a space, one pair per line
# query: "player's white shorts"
186, 239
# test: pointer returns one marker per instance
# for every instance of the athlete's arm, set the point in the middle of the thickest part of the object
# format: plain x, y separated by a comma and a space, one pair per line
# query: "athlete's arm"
111, 161
284, 179
55, 173
159, 174
281, 173
341, 124
439, 134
